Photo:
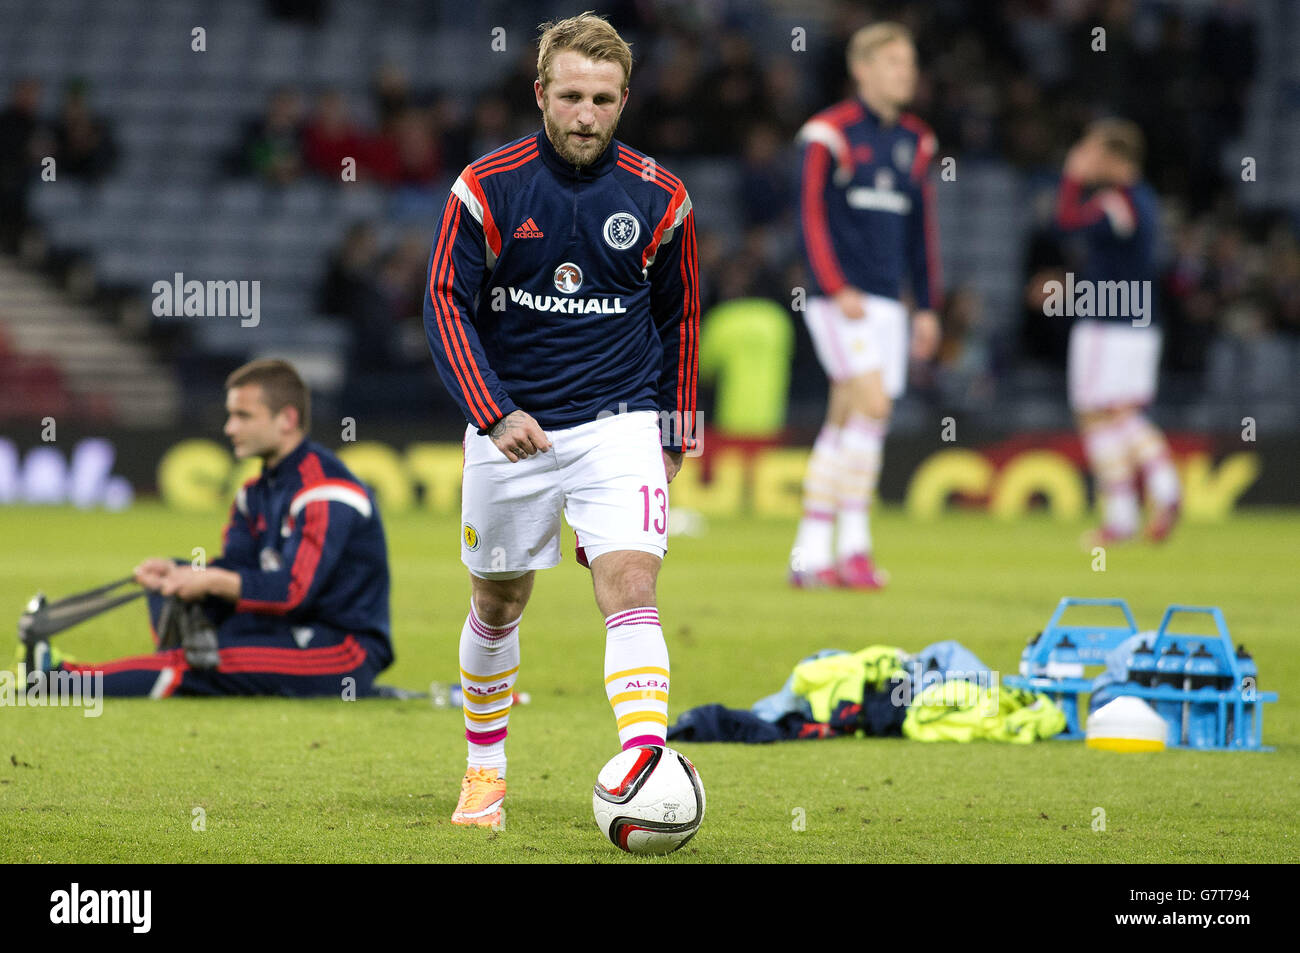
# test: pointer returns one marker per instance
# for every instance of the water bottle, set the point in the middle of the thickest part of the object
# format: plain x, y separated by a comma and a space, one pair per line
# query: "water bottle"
1064, 660
1201, 716
444, 695
1169, 671
1239, 732
1142, 666
1025, 653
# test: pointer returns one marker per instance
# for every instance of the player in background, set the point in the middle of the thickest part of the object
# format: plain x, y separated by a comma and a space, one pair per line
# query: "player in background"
1114, 358
563, 316
299, 598
866, 211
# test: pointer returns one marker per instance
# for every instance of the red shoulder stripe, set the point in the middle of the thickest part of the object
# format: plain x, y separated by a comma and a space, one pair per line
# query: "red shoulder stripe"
515, 162
671, 190
638, 159
504, 154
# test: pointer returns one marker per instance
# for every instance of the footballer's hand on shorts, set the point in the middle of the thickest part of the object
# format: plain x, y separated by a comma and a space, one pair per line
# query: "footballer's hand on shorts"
152, 572
518, 435
672, 463
851, 301
925, 335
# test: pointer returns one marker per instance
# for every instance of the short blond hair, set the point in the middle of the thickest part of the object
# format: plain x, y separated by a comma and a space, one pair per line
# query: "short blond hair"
1120, 137
867, 40
589, 34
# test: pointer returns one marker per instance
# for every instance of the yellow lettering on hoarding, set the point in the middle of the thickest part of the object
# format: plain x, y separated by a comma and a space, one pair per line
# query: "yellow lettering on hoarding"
194, 475
1209, 494
778, 482
378, 466
1035, 472
942, 474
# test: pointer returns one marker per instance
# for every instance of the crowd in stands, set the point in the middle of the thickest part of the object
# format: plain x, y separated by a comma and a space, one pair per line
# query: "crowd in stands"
1012, 81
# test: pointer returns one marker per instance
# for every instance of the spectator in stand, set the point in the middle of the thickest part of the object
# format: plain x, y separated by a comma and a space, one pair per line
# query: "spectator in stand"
84, 144
490, 125
784, 95
1283, 280
732, 99
670, 114
351, 290
22, 144
406, 153
331, 136
391, 91
271, 147
766, 193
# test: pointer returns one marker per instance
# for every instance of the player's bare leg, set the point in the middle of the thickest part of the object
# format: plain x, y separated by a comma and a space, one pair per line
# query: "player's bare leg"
1105, 444
812, 561
636, 655
862, 435
489, 667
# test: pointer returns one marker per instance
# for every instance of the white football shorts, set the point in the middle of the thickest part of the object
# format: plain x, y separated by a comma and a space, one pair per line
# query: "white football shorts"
606, 477
1112, 364
850, 348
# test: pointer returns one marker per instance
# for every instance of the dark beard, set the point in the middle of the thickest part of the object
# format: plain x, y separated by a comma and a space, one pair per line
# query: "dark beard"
560, 140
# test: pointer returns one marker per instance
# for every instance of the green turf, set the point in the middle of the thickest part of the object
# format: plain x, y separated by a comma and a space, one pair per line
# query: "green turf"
327, 780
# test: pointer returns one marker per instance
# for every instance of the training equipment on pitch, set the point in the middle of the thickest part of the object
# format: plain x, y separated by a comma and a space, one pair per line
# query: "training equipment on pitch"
648, 800
43, 618
1126, 724
186, 626
1206, 692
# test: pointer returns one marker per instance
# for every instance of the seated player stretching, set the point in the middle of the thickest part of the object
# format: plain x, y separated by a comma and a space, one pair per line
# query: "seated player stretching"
298, 601
563, 314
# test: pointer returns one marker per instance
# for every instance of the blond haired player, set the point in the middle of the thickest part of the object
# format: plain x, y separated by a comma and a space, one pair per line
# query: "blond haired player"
563, 315
867, 222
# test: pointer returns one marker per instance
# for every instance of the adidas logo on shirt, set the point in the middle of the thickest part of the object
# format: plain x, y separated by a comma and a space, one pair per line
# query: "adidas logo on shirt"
528, 230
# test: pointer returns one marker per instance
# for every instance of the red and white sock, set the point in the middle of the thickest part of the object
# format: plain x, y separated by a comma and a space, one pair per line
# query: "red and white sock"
1106, 446
636, 676
489, 667
861, 440
1148, 447
812, 543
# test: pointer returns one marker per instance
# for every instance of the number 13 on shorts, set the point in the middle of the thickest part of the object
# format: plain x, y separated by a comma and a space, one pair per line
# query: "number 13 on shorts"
658, 509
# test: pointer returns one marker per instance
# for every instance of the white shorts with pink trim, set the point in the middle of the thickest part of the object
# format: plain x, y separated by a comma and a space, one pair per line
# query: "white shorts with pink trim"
605, 477
850, 348
1112, 364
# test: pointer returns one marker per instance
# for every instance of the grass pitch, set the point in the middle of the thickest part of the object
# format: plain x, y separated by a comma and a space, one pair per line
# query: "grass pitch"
329, 781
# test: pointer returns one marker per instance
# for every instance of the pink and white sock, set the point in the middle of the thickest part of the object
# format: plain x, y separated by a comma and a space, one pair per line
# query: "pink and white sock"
861, 441
812, 544
1106, 446
1149, 449
636, 676
489, 667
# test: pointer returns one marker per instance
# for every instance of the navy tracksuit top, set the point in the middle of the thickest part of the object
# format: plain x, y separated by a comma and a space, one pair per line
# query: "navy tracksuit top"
306, 539
567, 292
866, 203
1117, 229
